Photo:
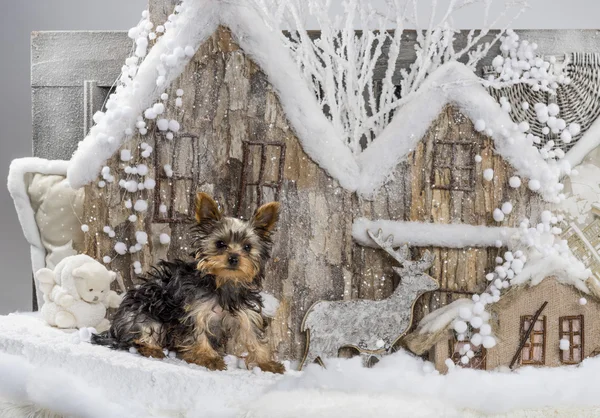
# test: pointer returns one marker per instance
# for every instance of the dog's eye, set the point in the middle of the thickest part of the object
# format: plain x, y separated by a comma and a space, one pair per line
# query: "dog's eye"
221, 245
91, 290
247, 248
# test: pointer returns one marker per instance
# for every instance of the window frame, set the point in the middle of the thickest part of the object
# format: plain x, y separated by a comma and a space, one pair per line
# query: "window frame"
529, 344
571, 334
170, 217
453, 167
261, 183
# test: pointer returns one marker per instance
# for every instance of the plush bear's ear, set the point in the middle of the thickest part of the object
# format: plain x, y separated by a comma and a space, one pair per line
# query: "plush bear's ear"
76, 272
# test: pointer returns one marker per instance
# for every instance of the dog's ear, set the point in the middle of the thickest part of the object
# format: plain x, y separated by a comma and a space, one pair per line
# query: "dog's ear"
266, 217
206, 208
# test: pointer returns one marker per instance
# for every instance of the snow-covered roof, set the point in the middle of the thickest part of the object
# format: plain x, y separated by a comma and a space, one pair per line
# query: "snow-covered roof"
420, 234
452, 83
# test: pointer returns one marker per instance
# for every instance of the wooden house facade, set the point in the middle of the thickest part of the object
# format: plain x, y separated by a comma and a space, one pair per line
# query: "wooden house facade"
237, 145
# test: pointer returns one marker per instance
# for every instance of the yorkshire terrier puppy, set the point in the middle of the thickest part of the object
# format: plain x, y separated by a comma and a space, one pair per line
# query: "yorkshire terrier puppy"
208, 307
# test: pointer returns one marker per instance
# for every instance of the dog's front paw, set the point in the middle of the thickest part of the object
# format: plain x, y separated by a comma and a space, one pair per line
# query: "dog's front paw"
214, 363
272, 366
211, 363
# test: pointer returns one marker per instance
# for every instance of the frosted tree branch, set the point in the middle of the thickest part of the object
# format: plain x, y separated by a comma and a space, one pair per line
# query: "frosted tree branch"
351, 63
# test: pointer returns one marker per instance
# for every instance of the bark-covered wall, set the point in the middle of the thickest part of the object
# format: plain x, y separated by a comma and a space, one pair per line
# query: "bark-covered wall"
238, 146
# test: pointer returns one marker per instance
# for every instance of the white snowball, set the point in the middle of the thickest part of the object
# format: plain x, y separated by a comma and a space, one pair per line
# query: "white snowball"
162, 124
478, 158
553, 109
488, 174
164, 239
159, 108
85, 228
476, 322
583, 301
174, 125
498, 215
180, 92
546, 217
149, 184
464, 360
128, 204
476, 339
507, 208
470, 354
121, 248
514, 182
490, 276
164, 96
168, 170
574, 129
485, 329
179, 102
140, 205
189, 51
523, 127
465, 312
479, 125
125, 155
101, 184
106, 259
141, 237
498, 243
150, 114
142, 169
489, 341
478, 308
170, 136
460, 326
112, 234
566, 137
162, 208
132, 218
107, 229
534, 185
517, 266
525, 105
449, 364
564, 344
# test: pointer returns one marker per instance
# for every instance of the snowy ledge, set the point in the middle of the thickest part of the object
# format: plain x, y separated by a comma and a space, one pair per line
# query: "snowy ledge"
420, 234
49, 368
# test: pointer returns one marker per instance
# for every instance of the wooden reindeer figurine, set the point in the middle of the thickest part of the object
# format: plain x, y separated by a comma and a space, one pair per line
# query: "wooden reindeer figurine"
369, 326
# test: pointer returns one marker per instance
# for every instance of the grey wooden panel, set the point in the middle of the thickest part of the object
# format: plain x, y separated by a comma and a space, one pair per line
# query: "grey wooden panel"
57, 121
67, 59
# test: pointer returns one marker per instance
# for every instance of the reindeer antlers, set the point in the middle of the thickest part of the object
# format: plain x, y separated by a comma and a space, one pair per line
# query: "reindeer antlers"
402, 255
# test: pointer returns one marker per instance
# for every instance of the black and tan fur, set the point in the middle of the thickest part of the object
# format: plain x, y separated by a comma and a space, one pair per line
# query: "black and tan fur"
209, 306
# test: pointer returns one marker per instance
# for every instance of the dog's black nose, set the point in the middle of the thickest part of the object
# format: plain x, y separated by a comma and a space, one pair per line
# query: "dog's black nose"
234, 260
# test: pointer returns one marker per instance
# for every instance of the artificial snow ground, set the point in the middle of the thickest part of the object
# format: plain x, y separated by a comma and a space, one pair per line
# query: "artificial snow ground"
52, 369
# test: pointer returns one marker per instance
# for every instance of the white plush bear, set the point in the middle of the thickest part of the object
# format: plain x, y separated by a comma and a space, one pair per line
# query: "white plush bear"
77, 293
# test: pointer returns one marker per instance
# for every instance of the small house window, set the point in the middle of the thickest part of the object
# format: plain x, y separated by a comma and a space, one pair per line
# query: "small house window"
571, 329
478, 360
534, 349
262, 174
176, 175
453, 165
